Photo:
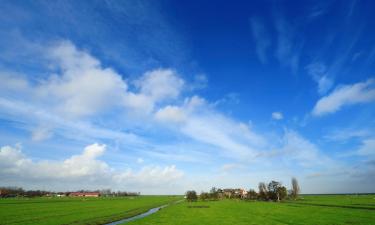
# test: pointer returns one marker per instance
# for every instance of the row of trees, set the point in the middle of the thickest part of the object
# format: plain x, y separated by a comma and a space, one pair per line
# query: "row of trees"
17, 191
20, 192
109, 193
273, 191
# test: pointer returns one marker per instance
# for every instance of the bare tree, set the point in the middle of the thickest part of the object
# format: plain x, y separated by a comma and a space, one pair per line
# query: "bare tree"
295, 188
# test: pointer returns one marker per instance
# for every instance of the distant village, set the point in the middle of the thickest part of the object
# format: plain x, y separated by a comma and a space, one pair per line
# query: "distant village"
8, 192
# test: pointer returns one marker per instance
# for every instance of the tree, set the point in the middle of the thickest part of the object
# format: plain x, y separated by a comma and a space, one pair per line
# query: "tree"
262, 191
204, 196
251, 195
191, 196
282, 192
272, 190
276, 191
214, 194
295, 188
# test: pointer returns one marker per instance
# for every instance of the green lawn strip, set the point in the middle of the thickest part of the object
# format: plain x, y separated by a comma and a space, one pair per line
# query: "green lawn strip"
241, 212
77, 210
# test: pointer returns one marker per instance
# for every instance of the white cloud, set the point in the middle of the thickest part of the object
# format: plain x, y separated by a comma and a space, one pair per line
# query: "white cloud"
319, 73
150, 176
234, 139
12, 82
297, 148
139, 102
179, 114
41, 133
277, 116
81, 171
344, 135
77, 166
196, 119
367, 147
31, 115
171, 113
155, 87
345, 95
288, 48
160, 84
83, 87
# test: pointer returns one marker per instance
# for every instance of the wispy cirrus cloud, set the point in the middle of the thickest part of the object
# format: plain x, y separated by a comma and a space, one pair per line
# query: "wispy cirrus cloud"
261, 38
319, 73
345, 95
288, 46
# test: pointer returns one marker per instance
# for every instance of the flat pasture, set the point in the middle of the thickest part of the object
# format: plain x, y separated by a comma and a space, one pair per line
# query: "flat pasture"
310, 209
67, 210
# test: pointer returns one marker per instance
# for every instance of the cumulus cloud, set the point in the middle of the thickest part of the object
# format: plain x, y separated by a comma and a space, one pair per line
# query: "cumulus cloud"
80, 86
277, 116
345, 95
154, 87
77, 166
160, 84
84, 87
81, 171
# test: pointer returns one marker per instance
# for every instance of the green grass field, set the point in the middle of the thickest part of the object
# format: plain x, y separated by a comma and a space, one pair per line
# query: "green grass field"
319, 209
66, 210
327, 209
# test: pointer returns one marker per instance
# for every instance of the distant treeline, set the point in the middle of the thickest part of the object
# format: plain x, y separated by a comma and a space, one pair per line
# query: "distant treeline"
273, 191
6, 192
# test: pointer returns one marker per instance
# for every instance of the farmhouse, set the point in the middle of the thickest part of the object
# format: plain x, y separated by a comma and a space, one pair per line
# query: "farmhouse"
231, 193
84, 194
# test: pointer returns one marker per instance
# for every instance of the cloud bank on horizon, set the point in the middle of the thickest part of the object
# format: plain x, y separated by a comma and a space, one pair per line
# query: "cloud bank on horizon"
146, 108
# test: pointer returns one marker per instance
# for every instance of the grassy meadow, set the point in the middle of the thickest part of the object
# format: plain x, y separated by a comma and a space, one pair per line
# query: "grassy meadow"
67, 210
314, 209
310, 209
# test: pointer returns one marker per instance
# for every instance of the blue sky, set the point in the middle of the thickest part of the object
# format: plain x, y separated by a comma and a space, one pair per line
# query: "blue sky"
161, 97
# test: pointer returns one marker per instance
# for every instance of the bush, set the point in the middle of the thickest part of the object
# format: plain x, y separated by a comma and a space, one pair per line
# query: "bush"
191, 196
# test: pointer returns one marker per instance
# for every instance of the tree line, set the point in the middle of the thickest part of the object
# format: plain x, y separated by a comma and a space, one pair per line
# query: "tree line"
273, 191
6, 192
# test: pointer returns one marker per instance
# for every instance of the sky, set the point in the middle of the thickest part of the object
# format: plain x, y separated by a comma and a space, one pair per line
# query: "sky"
166, 96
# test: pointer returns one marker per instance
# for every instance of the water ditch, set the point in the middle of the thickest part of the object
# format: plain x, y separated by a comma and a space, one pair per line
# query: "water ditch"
142, 215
